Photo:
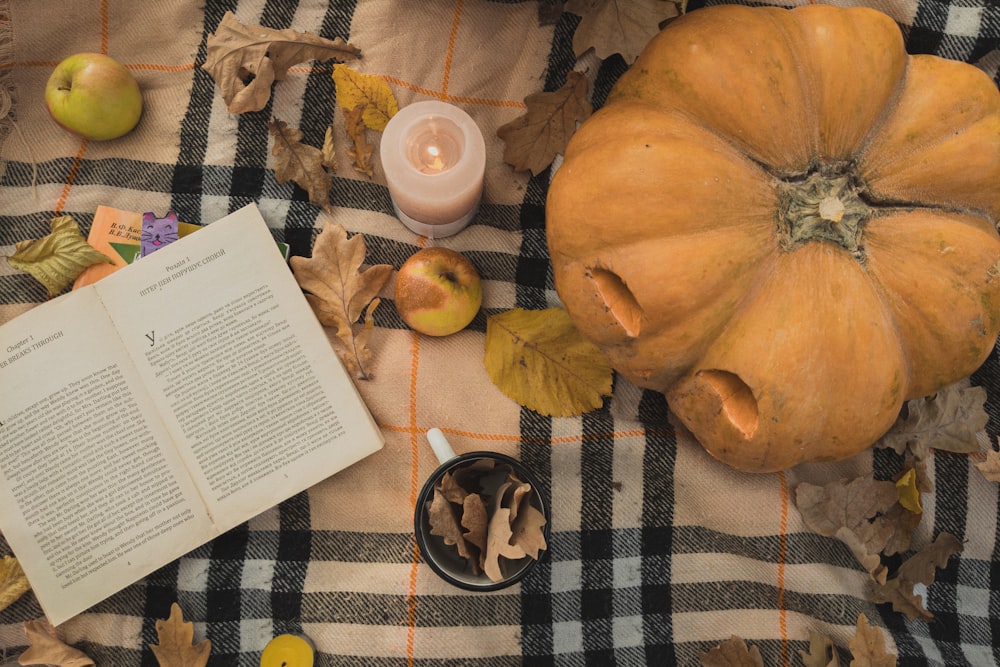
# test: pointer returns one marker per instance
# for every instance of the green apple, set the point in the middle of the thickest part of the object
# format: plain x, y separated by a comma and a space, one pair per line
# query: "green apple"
438, 291
94, 96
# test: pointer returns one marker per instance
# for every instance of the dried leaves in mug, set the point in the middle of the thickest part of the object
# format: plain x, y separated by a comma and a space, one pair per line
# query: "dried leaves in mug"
484, 510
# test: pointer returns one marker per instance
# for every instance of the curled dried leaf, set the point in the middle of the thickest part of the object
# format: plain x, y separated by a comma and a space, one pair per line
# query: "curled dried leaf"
57, 259
45, 648
362, 150
246, 59
299, 162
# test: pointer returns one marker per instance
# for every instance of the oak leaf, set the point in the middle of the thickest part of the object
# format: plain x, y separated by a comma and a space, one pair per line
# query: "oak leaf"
948, 420
868, 646
45, 648
909, 491
340, 290
361, 153
918, 569
851, 511
475, 520
611, 27
299, 162
822, 652
55, 260
13, 583
991, 466
177, 647
732, 653
370, 92
533, 139
498, 544
445, 524
329, 150
244, 60
539, 359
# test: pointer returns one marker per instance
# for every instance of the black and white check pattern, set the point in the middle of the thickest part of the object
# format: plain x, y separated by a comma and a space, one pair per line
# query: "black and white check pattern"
631, 576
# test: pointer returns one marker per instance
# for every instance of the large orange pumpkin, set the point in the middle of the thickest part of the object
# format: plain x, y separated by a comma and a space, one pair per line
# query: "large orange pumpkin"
787, 225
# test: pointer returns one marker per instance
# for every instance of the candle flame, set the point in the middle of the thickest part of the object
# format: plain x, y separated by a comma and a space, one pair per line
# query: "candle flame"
433, 163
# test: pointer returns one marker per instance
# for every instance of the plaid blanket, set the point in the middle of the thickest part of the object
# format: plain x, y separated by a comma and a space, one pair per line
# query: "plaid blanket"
657, 553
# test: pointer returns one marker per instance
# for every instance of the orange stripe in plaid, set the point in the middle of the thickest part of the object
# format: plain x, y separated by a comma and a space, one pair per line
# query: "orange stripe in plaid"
71, 177
782, 556
411, 594
105, 30
450, 54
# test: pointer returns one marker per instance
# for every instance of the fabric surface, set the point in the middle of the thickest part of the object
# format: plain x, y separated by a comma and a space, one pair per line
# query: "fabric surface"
657, 551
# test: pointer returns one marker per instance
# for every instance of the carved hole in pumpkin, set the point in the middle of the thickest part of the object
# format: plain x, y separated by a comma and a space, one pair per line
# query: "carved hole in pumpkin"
737, 401
618, 299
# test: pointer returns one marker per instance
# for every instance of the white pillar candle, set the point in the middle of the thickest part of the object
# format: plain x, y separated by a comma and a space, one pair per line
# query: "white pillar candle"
434, 158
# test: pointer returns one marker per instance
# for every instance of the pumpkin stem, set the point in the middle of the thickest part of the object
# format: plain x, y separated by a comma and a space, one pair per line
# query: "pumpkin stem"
822, 207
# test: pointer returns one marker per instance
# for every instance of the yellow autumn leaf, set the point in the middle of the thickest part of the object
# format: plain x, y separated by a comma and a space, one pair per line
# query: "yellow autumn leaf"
13, 583
355, 89
909, 494
57, 259
540, 360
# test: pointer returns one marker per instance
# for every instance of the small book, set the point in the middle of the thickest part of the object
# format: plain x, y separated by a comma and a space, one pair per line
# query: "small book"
118, 234
149, 412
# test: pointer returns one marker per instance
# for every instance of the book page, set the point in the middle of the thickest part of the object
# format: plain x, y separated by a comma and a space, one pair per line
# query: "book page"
242, 371
92, 495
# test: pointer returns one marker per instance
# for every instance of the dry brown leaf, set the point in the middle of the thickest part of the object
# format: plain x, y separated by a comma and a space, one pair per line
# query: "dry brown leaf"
13, 583
918, 569
475, 520
868, 646
949, 420
299, 162
372, 93
527, 530
822, 652
45, 648
540, 360
489, 498
445, 524
452, 489
361, 153
176, 647
339, 289
498, 534
909, 492
991, 466
55, 260
532, 140
732, 653
329, 149
843, 504
245, 60
611, 27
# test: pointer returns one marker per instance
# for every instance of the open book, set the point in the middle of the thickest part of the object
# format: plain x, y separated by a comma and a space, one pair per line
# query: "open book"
145, 414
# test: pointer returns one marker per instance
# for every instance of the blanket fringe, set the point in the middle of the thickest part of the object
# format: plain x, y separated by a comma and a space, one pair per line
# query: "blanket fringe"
8, 107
